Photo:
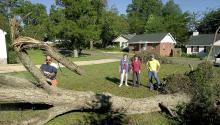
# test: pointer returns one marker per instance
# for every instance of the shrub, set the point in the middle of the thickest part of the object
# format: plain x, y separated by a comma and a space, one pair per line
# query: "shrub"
145, 56
193, 82
203, 74
202, 109
177, 83
12, 57
191, 55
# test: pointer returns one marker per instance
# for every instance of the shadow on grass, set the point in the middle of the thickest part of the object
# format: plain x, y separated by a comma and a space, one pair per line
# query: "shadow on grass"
105, 115
113, 80
23, 106
117, 80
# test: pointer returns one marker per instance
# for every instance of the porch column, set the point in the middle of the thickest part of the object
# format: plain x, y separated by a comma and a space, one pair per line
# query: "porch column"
139, 47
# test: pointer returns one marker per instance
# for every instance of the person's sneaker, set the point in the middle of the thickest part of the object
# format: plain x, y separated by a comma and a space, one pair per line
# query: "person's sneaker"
120, 85
126, 84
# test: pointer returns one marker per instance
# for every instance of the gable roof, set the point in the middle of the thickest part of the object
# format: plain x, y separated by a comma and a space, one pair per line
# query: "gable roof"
202, 40
128, 36
153, 37
125, 36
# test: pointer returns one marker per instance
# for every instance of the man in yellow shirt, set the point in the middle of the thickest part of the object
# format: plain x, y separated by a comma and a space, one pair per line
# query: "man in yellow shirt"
153, 66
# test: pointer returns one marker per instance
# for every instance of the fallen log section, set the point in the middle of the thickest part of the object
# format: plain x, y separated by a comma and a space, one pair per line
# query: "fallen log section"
67, 100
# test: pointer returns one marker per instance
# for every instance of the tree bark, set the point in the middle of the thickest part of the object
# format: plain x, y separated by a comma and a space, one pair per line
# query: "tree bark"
67, 100
18, 42
27, 42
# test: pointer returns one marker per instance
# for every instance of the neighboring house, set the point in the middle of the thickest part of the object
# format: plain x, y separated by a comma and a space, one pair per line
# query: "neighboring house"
123, 40
3, 50
200, 43
160, 43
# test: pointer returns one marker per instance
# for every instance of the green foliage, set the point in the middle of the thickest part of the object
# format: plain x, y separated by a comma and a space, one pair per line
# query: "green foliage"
210, 22
202, 109
177, 83
36, 25
111, 27
4, 23
139, 11
171, 8
7, 6
190, 55
177, 25
145, 56
12, 57
203, 74
79, 23
151, 16
155, 24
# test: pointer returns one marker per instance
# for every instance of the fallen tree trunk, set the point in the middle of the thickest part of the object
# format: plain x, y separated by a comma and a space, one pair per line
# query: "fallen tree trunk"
67, 100
36, 73
22, 43
50, 51
61, 100
19, 42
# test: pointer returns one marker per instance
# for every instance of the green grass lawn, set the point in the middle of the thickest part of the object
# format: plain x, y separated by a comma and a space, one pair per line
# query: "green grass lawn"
183, 58
101, 78
105, 78
37, 56
155, 118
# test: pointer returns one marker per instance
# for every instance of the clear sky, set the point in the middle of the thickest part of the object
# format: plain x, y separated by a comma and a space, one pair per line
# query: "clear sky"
185, 5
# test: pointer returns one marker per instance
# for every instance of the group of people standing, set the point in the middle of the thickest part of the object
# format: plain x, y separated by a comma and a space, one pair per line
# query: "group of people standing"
49, 70
125, 67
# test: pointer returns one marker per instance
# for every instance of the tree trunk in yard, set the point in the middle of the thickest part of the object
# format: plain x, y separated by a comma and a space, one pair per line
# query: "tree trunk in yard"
75, 52
67, 100
91, 44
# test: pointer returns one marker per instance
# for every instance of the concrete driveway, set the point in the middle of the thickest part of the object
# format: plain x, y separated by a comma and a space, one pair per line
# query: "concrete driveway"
19, 67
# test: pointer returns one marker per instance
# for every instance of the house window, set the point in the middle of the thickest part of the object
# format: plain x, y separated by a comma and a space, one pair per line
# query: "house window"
154, 45
194, 48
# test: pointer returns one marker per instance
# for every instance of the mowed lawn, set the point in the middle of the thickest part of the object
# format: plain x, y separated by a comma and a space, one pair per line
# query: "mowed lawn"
105, 78
38, 57
99, 78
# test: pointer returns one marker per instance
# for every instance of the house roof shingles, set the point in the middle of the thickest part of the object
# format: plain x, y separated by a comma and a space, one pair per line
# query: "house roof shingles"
154, 37
128, 36
202, 40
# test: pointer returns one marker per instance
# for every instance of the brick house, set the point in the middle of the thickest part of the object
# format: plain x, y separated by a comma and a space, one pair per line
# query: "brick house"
160, 43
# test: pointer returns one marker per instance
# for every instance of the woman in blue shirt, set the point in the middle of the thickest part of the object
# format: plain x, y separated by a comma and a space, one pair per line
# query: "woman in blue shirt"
124, 69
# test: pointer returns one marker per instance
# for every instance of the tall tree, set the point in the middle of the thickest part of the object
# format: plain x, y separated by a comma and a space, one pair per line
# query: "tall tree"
177, 25
113, 25
172, 20
171, 8
7, 6
80, 21
210, 22
155, 24
139, 11
194, 20
36, 24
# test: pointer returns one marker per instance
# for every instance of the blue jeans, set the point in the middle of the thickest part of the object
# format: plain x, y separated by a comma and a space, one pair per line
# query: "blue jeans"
152, 74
